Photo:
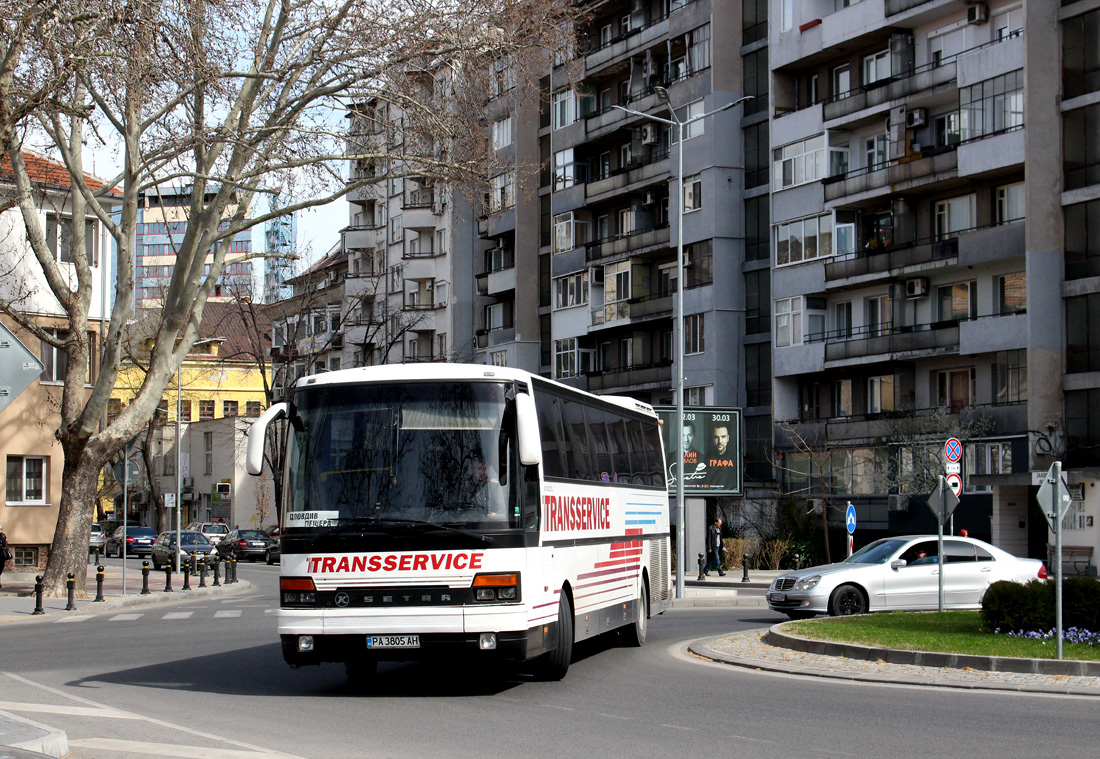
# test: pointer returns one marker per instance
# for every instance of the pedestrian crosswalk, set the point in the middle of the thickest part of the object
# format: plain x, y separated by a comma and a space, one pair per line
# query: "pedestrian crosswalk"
203, 613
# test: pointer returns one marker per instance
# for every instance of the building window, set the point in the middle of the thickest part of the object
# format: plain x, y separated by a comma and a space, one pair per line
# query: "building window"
694, 334
798, 163
571, 290
253, 408
1011, 203
842, 319
498, 358
803, 240
698, 264
987, 458
955, 389
1010, 377
758, 374
841, 81
501, 133
397, 230
55, 361
842, 397
877, 151
59, 233
114, 408
788, 321
1082, 338
1080, 64
397, 278
185, 411
955, 215
880, 318
503, 192
26, 480
1012, 293
992, 106
757, 227
617, 291
25, 556
206, 410
695, 396
565, 358
693, 193
699, 49
564, 169
695, 128
563, 105
229, 408
757, 299
786, 15
1082, 233
958, 302
569, 232
880, 394
208, 452
876, 67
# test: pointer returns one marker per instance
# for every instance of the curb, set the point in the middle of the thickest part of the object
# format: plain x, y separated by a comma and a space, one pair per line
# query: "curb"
118, 601
731, 601
1051, 667
53, 742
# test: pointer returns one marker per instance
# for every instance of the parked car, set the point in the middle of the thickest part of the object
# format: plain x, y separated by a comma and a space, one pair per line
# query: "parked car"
194, 545
138, 540
274, 546
244, 544
900, 574
215, 531
97, 539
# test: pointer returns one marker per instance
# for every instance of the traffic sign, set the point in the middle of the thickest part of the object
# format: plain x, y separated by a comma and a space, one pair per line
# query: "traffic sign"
850, 519
952, 467
942, 501
18, 367
952, 450
1054, 497
954, 481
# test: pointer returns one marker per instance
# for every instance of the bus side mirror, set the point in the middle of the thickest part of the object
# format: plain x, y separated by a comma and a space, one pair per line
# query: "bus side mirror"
257, 433
527, 424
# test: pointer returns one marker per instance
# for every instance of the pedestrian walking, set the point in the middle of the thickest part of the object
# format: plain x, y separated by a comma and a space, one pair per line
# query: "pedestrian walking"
5, 553
715, 548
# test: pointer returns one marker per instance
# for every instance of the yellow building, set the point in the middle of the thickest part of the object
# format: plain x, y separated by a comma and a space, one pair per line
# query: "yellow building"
226, 374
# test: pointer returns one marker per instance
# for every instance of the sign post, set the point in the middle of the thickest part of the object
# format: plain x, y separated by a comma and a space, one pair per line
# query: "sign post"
850, 523
942, 502
1054, 498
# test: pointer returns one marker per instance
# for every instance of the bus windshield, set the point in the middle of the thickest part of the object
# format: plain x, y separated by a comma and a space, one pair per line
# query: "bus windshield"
441, 453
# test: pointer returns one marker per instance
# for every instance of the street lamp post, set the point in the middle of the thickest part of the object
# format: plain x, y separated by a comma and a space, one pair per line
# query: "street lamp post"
679, 124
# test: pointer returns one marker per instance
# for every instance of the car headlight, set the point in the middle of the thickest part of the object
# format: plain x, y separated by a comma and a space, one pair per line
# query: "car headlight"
808, 583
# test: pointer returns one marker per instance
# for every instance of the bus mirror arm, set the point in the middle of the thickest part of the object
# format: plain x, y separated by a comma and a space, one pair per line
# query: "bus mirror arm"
254, 453
527, 424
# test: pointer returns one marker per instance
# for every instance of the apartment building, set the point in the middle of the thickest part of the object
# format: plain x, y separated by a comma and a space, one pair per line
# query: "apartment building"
918, 268
598, 221
162, 224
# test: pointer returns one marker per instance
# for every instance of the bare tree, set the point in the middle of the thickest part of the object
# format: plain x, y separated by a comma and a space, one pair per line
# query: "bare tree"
233, 101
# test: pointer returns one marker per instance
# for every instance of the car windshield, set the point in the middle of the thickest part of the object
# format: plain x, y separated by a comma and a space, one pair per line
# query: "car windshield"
251, 534
878, 552
191, 538
434, 453
216, 529
138, 532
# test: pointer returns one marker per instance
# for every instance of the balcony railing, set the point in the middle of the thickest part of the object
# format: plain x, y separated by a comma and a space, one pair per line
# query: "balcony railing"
594, 249
893, 257
419, 199
889, 339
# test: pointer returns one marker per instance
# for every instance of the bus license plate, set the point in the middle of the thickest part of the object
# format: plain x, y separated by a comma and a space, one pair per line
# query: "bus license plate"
393, 641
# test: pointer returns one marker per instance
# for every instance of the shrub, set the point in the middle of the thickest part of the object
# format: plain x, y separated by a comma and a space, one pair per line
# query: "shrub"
737, 549
1011, 606
773, 551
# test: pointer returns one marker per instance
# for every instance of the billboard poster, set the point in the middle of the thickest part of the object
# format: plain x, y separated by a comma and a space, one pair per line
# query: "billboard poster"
713, 461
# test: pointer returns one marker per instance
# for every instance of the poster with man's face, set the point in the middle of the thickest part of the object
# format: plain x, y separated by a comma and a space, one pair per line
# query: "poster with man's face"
712, 462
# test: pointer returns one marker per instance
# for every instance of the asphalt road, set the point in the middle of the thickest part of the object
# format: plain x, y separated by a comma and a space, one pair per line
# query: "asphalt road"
206, 679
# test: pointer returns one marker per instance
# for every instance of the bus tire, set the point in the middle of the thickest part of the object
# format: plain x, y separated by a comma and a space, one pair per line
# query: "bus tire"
557, 661
633, 635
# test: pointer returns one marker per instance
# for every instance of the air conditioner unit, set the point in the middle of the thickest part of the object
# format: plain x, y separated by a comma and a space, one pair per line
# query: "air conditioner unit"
897, 502
650, 198
595, 276
916, 287
917, 117
977, 14
650, 136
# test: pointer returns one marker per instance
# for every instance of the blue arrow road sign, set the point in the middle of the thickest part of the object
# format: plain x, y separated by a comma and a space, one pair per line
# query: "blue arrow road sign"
850, 518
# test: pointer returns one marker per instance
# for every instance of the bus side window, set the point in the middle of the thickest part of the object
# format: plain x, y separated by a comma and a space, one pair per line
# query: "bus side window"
620, 448
639, 469
577, 455
548, 408
654, 455
601, 453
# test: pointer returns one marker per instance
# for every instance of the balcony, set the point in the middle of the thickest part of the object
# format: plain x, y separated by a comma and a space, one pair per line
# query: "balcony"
886, 90
894, 176
894, 343
363, 235
610, 313
624, 45
891, 260
632, 242
894, 7
655, 306
491, 337
634, 377
640, 173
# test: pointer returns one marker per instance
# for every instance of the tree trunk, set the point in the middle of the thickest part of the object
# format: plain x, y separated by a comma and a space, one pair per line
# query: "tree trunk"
69, 549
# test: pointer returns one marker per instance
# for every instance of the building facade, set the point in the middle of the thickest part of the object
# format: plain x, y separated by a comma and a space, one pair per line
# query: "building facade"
918, 270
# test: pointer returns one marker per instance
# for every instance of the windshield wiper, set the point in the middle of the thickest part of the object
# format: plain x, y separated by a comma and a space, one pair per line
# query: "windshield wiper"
434, 525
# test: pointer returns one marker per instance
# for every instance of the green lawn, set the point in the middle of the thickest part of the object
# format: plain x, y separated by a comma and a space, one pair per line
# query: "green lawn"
949, 631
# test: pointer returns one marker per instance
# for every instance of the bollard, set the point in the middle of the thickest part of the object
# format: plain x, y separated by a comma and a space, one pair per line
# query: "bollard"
145, 578
233, 563
702, 563
98, 558
38, 596
187, 574
217, 582
71, 585
168, 578
99, 584
797, 561
202, 572
745, 568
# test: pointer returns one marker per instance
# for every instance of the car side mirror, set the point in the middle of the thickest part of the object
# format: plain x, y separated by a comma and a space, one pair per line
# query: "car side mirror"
898, 563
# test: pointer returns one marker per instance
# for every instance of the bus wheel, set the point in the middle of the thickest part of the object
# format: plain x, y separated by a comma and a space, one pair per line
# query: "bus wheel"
557, 661
633, 635
361, 672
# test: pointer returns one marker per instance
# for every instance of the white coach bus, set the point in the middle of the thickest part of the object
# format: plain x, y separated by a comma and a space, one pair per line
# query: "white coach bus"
437, 510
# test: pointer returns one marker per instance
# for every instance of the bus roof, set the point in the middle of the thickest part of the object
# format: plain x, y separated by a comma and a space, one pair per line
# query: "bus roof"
448, 371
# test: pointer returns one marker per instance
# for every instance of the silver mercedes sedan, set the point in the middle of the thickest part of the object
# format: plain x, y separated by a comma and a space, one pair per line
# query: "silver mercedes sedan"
900, 573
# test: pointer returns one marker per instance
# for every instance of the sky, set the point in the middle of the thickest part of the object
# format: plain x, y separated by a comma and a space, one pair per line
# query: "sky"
318, 230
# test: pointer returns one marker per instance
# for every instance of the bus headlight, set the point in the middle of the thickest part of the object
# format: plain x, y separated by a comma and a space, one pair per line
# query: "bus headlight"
496, 587
297, 591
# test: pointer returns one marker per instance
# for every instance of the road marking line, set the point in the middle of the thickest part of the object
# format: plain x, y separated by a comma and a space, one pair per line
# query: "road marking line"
178, 615
227, 613
78, 618
681, 727
162, 749
76, 711
125, 617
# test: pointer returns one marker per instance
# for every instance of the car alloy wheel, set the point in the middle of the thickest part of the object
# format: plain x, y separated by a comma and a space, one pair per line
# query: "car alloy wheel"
847, 600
